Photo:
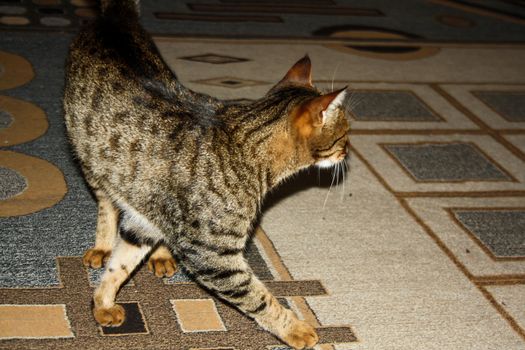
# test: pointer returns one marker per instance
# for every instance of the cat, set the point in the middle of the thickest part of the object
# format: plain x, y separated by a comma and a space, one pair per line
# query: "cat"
178, 171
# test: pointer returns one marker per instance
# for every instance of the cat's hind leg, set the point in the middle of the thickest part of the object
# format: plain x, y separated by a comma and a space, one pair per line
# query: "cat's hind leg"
124, 259
107, 222
161, 262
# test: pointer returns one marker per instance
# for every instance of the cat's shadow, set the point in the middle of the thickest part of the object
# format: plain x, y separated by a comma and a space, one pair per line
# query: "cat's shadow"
311, 177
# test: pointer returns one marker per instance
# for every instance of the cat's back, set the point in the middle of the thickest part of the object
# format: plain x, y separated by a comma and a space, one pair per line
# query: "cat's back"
119, 111
117, 79
113, 54
136, 131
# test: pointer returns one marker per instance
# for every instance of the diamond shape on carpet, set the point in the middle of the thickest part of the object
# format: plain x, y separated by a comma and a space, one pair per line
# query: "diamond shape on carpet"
446, 162
389, 106
501, 231
509, 104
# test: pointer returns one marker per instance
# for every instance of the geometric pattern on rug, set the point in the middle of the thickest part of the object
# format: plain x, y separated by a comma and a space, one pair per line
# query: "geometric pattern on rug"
507, 297
5, 119
387, 52
153, 321
498, 106
476, 255
389, 106
22, 121
12, 183
503, 171
46, 15
15, 70
197, 315
298, 19
214, 58
34, 321
133, 323
509, 104
285, 19
501, 279
446, 162
501, 231
28, 184
39, 185
517, 141
230, 82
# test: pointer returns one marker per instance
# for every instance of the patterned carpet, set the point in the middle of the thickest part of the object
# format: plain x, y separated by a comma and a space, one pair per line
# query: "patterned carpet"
420, 246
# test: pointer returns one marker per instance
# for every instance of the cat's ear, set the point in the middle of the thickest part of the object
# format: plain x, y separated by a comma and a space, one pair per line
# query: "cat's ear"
331, 103
319, 111
300, 73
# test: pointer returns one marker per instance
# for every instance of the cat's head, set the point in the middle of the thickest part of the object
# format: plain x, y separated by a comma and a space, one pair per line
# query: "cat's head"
318, 125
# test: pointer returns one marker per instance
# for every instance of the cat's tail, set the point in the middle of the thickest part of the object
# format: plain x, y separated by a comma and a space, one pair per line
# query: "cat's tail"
124, 9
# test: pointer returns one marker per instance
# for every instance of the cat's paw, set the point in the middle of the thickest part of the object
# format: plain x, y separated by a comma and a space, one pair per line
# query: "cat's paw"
110, 317
300, 335
162, 267
95, 258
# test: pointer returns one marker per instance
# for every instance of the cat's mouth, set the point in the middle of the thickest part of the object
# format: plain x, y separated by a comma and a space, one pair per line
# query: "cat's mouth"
337, 156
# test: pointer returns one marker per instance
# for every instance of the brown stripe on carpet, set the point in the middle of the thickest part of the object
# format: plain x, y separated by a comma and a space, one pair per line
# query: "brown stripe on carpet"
296, 288
178, 16
286, 8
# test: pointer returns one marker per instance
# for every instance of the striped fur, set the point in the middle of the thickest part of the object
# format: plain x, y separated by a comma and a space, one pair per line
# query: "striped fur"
185, 170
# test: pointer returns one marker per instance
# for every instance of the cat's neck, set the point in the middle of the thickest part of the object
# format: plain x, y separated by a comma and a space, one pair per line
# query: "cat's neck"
266, 142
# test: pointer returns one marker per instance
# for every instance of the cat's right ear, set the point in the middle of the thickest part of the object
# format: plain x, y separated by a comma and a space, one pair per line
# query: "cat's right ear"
317, 112
300, 73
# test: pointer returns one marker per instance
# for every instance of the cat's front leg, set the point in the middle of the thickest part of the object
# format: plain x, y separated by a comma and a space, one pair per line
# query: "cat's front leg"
224, 271
107, 222
283, 322
123, 261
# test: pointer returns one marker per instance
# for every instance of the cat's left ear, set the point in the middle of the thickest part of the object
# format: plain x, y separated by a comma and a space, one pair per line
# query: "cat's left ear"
300, 73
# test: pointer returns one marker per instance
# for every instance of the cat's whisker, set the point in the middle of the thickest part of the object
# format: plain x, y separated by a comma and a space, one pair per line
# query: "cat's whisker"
353, 103
333, 76
343, 169
328, 193
347, 168
337, 174
338, 169
338, 179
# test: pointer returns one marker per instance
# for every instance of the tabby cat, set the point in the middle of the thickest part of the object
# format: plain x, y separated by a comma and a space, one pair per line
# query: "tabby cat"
184, 172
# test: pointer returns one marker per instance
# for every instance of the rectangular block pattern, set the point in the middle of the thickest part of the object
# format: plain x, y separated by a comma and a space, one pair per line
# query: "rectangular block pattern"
501, 231
389, 106
509, 104
133, 323
34, 321
454, 161
197, 315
